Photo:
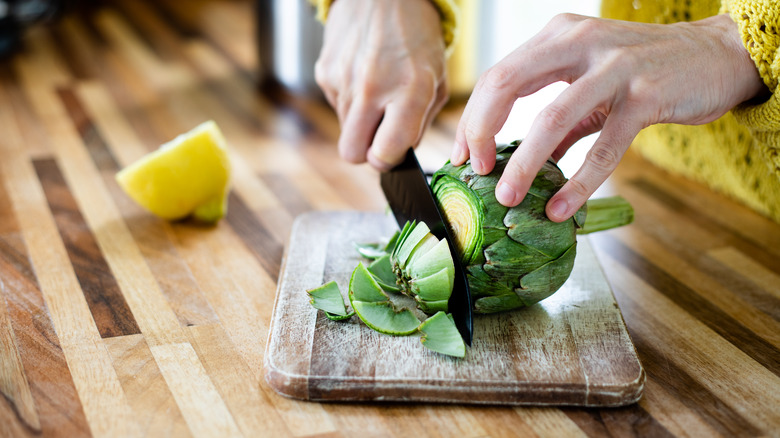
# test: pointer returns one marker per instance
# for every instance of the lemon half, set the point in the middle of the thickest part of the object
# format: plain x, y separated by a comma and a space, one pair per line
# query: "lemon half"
187, 176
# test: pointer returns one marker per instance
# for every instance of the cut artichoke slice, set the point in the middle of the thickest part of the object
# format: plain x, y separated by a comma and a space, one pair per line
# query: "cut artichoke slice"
441, 335
403, 252
382, 270
385, 319
375, 250
371, 251
328, 298
363, 286
374, 307
368, 287
424, 267
435, 287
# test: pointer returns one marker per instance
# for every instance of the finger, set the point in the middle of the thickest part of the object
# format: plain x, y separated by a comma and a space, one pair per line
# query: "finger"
525, 71
322, 79
357, 130
332, 97
344, 100
548, 130
401, 127
442, 96
602, 159
590, 125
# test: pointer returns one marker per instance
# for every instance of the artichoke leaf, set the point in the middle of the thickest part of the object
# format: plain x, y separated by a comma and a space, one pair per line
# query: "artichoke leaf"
433, 261
382, 271
405, 248
498, 303
548, 278
534, 230
385, 319
548, 181
431, 307
371, 251
328, 298
507, 259
441, 335
363, 286
435, 287
374, 307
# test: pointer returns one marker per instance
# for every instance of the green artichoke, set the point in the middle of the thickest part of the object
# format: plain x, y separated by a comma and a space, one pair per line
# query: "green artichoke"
515, 257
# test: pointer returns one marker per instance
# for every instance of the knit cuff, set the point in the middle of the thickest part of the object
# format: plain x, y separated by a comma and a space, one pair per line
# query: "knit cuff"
323, 6
759, 26
450, 17
763, 121
448, 11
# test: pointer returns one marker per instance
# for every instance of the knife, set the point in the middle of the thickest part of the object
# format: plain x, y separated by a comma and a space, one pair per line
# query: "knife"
411, 198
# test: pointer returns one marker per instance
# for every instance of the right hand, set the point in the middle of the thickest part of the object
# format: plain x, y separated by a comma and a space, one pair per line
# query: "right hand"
382, 68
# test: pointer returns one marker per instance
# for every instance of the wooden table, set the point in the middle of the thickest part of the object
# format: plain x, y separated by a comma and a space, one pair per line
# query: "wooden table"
113, 322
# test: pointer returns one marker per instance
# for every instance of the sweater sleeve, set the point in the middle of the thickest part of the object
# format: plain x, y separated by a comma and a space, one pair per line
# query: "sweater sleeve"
448, 11
759, 26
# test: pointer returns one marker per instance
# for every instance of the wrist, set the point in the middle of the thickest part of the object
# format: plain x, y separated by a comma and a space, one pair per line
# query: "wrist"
748, 82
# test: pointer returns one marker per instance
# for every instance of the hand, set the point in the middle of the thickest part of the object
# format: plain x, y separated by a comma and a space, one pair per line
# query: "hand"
382, 68
623, 77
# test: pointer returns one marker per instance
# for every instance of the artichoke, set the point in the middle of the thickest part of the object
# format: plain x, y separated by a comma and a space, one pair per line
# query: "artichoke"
515, 257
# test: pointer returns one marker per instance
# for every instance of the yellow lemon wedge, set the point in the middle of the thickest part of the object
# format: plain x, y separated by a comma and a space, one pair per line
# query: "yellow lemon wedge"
187, 176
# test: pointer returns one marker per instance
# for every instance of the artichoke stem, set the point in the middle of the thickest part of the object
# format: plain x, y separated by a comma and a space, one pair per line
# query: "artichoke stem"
606, 213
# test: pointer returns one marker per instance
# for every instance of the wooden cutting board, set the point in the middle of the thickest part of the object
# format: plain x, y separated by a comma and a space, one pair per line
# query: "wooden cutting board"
570, 349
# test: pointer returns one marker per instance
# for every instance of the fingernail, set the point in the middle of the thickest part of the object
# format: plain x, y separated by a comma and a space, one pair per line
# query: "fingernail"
558, 208
457, 154
379, 164
505, 194
477, 165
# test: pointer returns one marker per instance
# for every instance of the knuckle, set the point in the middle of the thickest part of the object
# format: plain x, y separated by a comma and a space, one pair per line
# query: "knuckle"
581, 190
498, 77
603, 158
473, 134
368, 84
369, 89
441, 99
562, 20
421, 90
352, 154
588, 26
622, 59
322, 76
555, 118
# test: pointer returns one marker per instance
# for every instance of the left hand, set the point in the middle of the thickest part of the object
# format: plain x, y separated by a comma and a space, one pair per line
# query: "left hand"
382, 68
623, 77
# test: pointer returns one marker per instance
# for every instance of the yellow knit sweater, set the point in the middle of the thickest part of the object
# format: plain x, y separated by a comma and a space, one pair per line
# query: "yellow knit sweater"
738, 154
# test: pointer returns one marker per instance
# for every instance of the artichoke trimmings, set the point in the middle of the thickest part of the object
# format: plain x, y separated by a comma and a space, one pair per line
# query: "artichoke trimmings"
413, 263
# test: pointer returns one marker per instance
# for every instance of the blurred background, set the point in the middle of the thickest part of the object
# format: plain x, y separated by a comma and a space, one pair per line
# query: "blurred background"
288, 39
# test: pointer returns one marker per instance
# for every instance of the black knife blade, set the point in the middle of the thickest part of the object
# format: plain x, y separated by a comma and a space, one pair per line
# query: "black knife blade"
411, 198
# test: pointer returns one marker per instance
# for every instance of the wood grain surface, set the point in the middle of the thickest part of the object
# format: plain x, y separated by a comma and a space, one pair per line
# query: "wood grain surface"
116, 323
570, 350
